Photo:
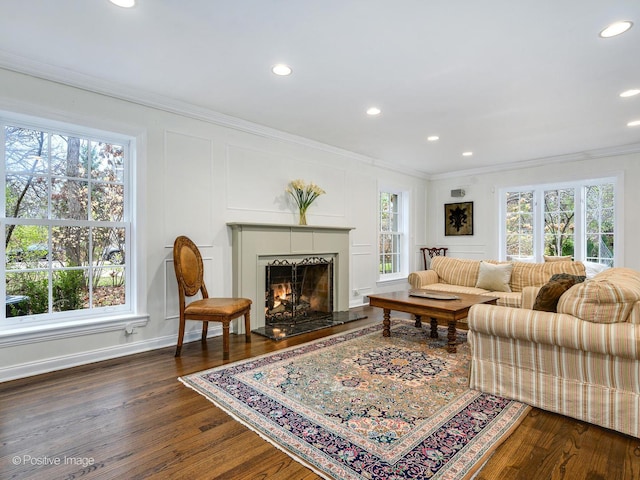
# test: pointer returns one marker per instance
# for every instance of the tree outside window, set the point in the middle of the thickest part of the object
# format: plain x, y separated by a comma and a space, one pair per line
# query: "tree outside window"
599, 224
559, 222
544, 221
66, 228
390, 236
519, 225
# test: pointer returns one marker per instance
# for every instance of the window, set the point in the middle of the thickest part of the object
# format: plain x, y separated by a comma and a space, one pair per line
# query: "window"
599, 223
391, 247
519, 224
66, 224
559, 222
576, 220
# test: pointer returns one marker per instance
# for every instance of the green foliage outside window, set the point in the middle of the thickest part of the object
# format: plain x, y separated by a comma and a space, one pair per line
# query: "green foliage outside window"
555, 222
389, 247
65, 206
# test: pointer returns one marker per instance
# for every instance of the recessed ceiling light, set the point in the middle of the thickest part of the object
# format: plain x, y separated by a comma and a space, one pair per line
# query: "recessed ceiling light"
124, 3
374, 111
630, 93
635, 123
467, 154
616, 29
433, 138
281, 69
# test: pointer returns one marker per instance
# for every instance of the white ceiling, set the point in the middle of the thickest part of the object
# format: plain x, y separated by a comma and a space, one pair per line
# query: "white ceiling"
509, 80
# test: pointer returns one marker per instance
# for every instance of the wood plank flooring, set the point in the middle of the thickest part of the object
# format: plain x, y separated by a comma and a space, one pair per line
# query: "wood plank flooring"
129, 418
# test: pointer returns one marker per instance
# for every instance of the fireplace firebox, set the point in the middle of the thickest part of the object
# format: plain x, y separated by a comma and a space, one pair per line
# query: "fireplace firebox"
298, 291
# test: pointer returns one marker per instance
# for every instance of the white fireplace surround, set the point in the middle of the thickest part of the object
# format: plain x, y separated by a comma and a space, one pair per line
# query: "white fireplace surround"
255, 244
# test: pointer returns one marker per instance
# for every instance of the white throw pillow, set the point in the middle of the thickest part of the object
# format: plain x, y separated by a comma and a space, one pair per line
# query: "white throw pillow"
592, 268
494, 278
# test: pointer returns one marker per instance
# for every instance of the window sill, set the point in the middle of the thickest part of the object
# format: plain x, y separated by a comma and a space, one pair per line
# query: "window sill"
391, 279
22, 335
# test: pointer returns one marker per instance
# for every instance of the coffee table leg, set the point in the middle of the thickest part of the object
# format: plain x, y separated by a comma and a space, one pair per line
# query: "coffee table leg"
434, 328
451, 337
418, 323
386, 323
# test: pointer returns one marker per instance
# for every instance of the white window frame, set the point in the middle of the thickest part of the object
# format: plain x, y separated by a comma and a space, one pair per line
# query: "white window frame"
538, 215
48, 326
403, 225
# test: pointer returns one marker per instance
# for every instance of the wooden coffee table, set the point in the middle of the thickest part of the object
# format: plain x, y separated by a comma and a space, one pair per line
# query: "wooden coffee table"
449, 311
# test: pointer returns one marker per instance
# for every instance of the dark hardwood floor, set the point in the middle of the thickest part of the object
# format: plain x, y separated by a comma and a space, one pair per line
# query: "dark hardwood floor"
130, 418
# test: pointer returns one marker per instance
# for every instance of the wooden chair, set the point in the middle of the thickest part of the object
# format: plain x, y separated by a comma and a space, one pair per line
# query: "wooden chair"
432, 252
187, 262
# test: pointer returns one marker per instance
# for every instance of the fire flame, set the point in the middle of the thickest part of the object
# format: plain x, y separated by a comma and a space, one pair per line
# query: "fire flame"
280, 293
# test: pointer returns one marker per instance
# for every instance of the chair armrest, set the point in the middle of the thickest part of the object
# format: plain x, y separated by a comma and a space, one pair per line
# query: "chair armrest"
422, 278
529, 295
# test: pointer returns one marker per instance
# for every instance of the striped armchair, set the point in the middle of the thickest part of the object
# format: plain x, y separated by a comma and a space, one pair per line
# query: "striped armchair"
583, 361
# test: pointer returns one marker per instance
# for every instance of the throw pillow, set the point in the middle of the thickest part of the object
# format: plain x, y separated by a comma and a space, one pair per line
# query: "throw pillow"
609, 297
550, 293
549, 258
494, 278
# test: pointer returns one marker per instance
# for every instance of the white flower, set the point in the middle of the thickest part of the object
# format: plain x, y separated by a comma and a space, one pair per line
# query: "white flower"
304, 194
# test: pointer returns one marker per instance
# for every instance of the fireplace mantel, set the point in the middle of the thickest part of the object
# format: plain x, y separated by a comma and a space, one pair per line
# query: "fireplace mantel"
252, 243
284, 226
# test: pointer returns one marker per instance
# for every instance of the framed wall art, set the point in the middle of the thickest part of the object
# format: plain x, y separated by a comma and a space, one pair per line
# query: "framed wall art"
458, 218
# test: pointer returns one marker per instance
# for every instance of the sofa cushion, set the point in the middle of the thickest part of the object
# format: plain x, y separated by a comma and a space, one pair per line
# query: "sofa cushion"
494, 278
563, 258
550, 293
609, 297
445, 287
507, 299
537, 274
456, 271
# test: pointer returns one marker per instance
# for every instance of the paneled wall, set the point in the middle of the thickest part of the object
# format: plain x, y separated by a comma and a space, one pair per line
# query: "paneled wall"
194, 175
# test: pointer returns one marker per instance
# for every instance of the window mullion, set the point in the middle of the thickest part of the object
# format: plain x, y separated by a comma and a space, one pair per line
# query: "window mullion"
579, 249
538, 224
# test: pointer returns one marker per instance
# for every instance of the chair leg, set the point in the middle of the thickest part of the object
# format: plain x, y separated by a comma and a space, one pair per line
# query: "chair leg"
180, 336
225, 340
205, 327
247, 327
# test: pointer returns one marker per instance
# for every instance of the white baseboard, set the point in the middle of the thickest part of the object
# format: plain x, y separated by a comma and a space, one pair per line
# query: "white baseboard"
359, 302
47, 365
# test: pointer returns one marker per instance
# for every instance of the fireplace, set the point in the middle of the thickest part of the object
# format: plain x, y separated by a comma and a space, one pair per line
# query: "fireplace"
309, 251
298, 291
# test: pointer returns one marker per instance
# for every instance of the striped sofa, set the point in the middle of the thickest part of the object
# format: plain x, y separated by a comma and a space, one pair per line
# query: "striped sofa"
456, 275
583, 361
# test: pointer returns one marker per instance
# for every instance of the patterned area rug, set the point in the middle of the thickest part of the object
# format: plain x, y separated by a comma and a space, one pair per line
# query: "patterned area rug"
357, 405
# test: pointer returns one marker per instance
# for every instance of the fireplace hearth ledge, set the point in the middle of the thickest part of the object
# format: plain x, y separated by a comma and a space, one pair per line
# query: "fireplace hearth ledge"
254, 243
282, 332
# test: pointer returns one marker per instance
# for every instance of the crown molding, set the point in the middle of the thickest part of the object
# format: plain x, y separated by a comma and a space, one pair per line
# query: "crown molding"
97, 85
536, 162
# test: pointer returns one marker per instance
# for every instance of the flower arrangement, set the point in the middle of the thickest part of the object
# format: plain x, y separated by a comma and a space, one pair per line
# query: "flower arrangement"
304, 194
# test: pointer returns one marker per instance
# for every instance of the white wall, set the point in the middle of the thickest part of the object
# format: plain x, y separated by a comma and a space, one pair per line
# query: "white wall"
483, 189
194, 175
